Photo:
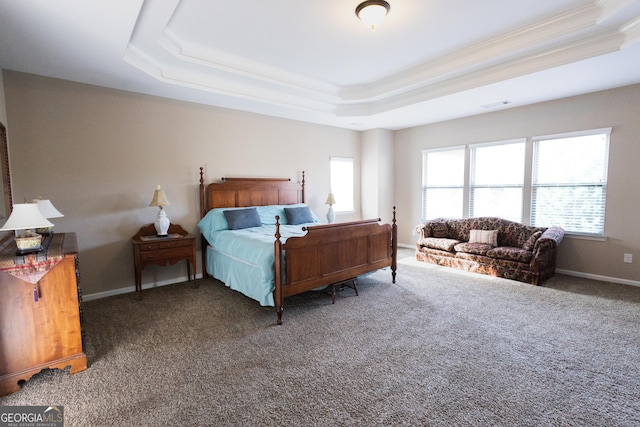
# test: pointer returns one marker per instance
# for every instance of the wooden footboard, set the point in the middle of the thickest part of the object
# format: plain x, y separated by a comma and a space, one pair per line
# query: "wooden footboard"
330, 254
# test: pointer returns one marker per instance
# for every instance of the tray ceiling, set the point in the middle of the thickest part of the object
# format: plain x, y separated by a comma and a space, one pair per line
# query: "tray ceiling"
315, 61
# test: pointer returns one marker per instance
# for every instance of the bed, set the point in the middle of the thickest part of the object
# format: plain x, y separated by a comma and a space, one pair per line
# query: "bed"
287, 251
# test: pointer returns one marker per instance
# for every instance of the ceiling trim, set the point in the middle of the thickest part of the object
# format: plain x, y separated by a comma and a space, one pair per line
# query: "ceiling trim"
236, 65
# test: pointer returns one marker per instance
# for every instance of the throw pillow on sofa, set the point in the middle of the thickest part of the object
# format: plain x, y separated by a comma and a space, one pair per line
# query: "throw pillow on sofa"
439, 229
488, 237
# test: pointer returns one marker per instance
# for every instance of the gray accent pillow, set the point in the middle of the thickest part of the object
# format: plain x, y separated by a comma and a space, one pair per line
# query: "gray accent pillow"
242, 218
299, 215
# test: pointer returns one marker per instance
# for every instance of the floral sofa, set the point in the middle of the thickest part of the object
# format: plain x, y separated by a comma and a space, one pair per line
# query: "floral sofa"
492, 246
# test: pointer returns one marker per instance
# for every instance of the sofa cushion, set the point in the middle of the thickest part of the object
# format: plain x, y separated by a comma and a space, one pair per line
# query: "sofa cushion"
439, 243
488, 237
439, 229
510, 253
473, 248
531, 241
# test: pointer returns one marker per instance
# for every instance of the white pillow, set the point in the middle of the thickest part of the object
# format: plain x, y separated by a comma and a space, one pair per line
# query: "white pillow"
488, 237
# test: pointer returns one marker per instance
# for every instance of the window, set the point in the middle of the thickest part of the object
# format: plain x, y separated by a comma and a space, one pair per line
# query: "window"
496, 182
341, 171
443, 183
547, 180
569, 181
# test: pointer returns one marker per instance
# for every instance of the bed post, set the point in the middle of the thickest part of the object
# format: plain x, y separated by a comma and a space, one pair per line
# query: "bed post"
394, 246
203, 211
277, 293
202, 201
303, 187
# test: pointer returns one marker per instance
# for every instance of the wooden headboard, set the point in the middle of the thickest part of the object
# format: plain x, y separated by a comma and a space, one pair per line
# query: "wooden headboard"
241, 192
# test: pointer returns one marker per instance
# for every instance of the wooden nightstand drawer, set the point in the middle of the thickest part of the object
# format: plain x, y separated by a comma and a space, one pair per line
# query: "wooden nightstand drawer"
172, 254
166, 244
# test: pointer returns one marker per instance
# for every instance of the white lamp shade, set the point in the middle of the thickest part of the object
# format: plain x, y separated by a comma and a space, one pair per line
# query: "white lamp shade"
26, 216
159, 198
47, 209
330, 200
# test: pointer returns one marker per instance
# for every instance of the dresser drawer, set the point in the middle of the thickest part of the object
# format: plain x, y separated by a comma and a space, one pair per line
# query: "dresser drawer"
175, 243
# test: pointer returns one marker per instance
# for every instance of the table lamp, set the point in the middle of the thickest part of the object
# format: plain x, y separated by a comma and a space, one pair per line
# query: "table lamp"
27, 216
330, 201
48, 211
162, 222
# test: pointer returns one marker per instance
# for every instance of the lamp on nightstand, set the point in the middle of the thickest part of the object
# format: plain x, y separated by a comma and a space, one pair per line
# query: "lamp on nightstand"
162, 222
27, 216
331, 217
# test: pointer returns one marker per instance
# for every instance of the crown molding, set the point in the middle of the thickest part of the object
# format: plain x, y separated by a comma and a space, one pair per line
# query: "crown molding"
239, 66
580, 49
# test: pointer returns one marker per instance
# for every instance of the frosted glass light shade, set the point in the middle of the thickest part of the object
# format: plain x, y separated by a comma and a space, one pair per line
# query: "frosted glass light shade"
372, 12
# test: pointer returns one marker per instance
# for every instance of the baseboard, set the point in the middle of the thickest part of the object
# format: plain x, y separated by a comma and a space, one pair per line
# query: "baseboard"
598, 277
130, 289
404, 245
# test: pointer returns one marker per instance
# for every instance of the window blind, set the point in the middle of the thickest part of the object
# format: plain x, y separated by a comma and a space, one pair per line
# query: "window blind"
569, 181
496, 185
443, 183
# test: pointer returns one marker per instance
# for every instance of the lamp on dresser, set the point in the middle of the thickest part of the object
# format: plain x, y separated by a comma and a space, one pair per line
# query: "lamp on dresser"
162, 222
27, 217
48, 211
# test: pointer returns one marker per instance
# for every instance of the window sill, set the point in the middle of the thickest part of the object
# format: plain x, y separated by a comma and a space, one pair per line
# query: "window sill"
586, 237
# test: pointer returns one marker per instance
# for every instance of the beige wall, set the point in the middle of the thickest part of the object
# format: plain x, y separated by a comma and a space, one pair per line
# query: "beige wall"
98, 154
618, 108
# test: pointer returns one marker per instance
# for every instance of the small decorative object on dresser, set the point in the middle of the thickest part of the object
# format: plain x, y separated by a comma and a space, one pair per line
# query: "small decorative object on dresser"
40, 311
149, 248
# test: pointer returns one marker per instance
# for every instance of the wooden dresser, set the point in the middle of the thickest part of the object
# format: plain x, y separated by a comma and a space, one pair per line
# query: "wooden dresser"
46, 333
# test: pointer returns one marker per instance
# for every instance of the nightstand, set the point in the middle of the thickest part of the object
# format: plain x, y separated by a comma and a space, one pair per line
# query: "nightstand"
177, 246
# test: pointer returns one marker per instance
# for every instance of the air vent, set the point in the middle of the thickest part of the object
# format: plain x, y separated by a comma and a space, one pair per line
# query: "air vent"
496, 104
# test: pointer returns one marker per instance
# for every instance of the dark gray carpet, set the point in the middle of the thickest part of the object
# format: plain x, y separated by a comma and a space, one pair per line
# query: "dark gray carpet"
438, 348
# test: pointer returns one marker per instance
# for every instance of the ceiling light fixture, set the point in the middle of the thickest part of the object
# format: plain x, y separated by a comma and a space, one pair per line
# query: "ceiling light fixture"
372, 12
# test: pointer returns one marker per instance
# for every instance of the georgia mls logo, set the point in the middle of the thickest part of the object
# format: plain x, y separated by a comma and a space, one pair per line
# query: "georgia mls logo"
31, 416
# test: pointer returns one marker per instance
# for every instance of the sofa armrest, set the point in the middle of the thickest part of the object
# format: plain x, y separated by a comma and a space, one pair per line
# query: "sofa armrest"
549, 240
423, 231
